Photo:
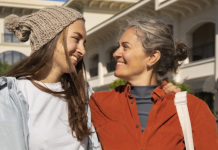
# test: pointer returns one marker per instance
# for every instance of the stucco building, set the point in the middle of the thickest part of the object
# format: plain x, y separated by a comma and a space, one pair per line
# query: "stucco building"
11, 50
194, 21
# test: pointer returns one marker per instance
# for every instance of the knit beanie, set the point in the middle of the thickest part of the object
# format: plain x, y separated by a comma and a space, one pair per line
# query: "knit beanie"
42, 26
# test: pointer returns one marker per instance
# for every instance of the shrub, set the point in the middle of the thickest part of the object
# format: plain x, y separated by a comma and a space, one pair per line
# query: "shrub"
4, 67
116, 83
183, 87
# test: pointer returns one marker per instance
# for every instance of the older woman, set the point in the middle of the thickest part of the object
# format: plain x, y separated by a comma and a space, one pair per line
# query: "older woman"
140, 115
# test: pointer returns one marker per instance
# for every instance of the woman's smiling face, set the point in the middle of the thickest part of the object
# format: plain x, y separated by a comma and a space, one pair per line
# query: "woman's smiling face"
75, 39
131, 57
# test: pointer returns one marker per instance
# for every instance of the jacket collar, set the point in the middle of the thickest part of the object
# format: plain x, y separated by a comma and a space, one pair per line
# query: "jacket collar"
127, 89
158, 93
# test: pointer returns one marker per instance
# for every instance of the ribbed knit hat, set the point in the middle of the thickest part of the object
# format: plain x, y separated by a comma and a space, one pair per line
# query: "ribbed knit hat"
42, 26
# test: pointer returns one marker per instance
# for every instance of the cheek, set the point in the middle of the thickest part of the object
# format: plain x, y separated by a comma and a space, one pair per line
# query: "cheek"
59, 57
137, 65
59, 53
71, 45
135, 60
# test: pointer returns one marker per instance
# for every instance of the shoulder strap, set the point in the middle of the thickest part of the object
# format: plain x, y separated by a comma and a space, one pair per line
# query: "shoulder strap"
181, 105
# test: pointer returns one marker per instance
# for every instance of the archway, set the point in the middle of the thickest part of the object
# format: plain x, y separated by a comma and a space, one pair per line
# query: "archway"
11, 57
93, 65
203, 42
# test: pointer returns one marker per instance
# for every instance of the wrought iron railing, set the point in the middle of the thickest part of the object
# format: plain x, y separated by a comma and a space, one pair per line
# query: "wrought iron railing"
93, 71
111, 66
202, 51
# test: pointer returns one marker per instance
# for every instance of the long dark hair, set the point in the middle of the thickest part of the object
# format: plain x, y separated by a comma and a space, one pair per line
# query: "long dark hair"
74, 83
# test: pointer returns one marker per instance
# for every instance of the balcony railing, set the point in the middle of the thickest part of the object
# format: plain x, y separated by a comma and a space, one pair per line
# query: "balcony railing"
93, 71
111, 66
10, 38
202, 51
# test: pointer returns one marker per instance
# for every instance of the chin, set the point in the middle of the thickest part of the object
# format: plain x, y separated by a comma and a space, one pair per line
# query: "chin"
116, 74
119, 75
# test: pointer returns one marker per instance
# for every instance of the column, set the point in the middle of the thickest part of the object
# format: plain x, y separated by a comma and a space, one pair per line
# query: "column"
1, 30
216, 63
101, 65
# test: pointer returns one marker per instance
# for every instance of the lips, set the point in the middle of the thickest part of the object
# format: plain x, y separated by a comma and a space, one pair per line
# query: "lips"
120, 63
74, 58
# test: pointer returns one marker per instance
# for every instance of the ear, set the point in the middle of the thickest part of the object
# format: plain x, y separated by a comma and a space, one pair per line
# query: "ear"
154, 58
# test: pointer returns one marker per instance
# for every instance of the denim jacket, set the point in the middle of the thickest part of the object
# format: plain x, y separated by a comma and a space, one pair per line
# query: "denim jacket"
14, 131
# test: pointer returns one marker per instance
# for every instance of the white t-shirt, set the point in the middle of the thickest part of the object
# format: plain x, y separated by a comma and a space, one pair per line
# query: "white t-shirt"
48, 119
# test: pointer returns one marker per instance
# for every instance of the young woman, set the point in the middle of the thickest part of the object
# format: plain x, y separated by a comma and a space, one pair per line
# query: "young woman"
44, 107
43, 99
140, 115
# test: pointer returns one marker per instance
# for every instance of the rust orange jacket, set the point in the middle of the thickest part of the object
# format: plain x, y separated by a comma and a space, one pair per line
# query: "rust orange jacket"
115, 117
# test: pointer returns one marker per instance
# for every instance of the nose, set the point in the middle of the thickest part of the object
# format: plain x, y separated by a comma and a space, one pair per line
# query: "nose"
81, 50
117, 54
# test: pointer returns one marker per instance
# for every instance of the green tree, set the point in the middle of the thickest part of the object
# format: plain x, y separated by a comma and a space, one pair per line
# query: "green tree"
4, 67
183, 87
116, 83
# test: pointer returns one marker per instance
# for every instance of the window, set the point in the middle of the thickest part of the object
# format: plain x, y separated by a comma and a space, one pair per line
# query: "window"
208, 97
94, 66
11, 57
112, 62
9, 37
203, 41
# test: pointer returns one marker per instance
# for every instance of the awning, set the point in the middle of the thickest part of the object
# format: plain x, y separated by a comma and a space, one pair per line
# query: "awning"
203, 84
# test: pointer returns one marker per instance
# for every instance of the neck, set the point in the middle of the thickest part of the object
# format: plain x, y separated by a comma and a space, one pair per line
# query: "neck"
147, 79
47, 75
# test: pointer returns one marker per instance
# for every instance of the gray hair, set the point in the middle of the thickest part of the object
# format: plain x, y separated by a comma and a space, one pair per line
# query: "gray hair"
157, 35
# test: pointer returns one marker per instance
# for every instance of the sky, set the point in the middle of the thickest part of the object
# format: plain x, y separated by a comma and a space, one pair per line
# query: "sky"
57, 0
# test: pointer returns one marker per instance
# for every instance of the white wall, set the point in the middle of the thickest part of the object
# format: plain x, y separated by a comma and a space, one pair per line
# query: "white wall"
197, 69
95, 17
21, 48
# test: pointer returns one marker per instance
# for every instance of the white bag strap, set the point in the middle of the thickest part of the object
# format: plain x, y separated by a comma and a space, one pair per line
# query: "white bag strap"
181, 105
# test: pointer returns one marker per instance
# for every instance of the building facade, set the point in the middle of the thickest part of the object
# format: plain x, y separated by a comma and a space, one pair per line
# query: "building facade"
194, 21
11, 50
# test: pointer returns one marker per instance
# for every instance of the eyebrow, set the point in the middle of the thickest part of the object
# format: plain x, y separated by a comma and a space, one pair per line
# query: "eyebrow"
126, 43
80, 36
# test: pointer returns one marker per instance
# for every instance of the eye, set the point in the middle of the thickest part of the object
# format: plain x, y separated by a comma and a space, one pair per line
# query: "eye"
76, 39
125, 46
116, 47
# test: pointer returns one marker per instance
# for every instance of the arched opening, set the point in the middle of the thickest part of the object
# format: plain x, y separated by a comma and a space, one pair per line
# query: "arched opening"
94, 66
111, 61
11, 57
203, 42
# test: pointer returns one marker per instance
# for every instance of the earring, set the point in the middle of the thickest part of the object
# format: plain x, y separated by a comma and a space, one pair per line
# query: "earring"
148, 65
